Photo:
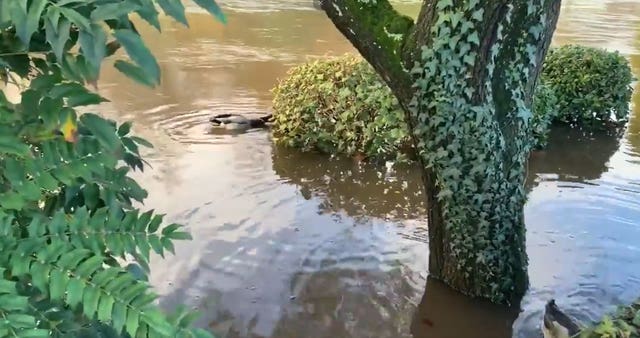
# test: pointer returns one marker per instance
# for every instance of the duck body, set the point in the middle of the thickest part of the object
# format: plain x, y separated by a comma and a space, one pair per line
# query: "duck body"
556, 324
239, 122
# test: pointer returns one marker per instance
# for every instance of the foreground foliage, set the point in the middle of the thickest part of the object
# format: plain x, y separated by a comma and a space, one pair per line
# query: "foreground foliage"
67, 217
624, 323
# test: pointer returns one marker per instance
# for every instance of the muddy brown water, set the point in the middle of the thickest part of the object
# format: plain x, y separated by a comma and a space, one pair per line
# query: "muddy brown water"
288, 244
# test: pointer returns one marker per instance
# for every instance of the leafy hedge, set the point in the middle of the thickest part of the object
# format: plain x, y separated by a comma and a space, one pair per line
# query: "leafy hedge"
592, 85
545, 112
340, 105
66, 201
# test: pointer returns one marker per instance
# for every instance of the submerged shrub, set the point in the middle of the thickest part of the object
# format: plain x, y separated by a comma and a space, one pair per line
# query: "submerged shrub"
339, 105
545, 110
593, 86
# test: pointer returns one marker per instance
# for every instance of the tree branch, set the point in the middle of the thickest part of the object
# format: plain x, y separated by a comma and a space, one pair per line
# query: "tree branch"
379, 33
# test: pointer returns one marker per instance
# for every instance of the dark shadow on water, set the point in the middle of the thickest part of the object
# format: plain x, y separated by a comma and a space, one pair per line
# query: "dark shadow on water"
359, 189
572, 156
444, 313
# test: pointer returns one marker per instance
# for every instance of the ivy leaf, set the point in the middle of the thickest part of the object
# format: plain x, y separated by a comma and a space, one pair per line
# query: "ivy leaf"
443, 4
474, 38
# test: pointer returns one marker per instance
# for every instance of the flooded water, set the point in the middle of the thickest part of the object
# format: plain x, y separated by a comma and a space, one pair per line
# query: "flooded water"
288, 244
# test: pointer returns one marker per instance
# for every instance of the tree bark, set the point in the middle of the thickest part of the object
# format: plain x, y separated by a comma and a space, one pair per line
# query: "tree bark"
474, 65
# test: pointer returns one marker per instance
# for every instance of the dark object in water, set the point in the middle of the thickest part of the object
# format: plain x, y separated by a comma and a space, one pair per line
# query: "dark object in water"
239, 122
317, 4
556, 324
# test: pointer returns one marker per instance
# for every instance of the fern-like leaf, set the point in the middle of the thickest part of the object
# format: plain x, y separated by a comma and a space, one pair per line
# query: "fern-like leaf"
87, 286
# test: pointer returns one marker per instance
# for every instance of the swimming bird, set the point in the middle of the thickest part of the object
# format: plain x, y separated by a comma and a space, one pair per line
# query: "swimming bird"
556, 324
239, 122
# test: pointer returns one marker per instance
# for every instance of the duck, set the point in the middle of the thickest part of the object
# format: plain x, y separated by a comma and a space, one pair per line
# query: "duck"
556, 324
239, 122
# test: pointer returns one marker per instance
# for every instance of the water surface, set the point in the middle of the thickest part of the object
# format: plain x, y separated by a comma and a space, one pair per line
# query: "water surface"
288, 244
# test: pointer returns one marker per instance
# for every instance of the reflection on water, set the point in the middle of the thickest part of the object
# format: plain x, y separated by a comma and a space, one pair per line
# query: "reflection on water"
289, 244
358, 189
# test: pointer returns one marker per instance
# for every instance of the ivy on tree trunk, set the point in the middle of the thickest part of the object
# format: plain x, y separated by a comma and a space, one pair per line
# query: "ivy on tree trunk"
464, 72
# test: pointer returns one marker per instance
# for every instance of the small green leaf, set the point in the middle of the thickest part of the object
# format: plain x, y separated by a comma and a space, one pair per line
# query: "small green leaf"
132, 321
26, 28
212, 7
76, 18
105, 307
10, 144
57, 32
93, 43
113, 10
139, 53
90, 301
13, 302
7, 286
88, 267
134, 72
75, 291
148, 12
102, 130
180, 236
174, 9
119, 316
21, 321
124, 129
141, 141
33, 333
155, 223
58, 284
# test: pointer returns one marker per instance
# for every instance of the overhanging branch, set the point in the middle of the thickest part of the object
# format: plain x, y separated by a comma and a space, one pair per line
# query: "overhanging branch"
378, 32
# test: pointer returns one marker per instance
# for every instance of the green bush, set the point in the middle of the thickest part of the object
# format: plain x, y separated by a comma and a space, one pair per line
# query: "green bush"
545, 111
593, 86
339, 105
67, 215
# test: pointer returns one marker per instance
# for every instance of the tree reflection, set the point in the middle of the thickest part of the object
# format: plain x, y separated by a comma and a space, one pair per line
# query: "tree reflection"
359, 189
445, 313
572, 155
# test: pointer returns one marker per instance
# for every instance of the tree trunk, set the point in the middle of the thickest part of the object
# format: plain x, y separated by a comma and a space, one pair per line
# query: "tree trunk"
464, 72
